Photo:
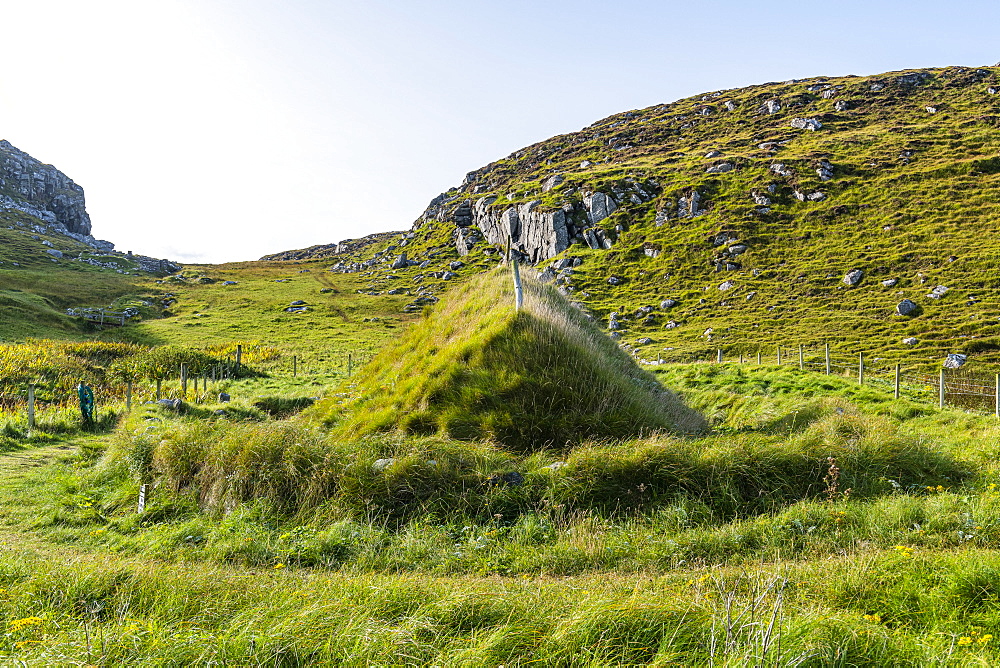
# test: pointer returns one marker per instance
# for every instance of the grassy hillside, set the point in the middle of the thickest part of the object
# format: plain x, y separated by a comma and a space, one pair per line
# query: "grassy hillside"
909, 188
37, 288
817, 524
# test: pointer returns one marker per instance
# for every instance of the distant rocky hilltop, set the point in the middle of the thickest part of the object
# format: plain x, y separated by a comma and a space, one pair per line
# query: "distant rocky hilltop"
347, 246
45, 193
42, 191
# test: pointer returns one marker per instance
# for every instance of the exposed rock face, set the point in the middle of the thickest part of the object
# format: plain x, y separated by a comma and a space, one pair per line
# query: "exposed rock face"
536, 234
41, 191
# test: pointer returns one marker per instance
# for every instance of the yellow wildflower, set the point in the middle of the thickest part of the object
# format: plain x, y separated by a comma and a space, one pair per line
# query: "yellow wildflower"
985, 639
278, 567
20, 624
873, 618
964, 640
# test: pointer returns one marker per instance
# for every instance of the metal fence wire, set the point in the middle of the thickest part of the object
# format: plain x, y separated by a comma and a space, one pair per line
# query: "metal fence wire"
958, 388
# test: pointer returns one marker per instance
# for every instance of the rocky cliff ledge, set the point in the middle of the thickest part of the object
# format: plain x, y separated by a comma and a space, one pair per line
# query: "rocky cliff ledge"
41, 190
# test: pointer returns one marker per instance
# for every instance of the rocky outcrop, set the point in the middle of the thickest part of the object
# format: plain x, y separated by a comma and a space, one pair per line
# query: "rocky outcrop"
41, 190
536, 234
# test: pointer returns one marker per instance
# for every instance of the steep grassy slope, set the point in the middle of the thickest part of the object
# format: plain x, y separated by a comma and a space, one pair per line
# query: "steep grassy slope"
908, 168
475, 369
37, 288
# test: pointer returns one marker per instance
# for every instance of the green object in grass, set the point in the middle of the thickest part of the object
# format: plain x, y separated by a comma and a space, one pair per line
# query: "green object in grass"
86, 402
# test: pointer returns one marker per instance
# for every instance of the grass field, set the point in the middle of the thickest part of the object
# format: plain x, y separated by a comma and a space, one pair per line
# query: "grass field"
746, 545
464, 485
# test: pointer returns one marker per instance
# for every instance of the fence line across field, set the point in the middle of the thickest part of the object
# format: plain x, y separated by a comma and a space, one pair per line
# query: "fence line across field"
977, 391
181, 385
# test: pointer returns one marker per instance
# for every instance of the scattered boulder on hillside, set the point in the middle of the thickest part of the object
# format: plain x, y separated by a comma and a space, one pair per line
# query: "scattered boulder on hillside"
806, 124
688, 206
782, 170
234, 283
713, 154
993, 90
551, 182
595, 238
382, 464
824, 170
614, 280
644, 341
667, 303
325, 291
547, 275
298, 302
906, 307
890, 282
400, 262
721, 168
728, 285
512, 479
771, 107
910, 340
599, 206
931, 109
54, 253
938, 292
853, 277
841, 105
955, 360
457, 264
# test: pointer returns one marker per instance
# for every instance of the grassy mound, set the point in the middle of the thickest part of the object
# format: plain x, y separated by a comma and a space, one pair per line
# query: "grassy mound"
476, 369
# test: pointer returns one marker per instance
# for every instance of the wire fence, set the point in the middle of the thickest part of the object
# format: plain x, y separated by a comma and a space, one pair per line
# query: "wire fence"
197, 388
958, 388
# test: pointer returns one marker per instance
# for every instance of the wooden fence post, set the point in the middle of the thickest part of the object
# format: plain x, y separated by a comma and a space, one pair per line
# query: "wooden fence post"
518, 293
941, 389
350, 363
828, 359
159, 385
779, 355
718, 356
741, 358
184, 381
861, 368
128, 396
295, 366
239, 358
802, 365
31, 405
996, 395
758, 358
895, 390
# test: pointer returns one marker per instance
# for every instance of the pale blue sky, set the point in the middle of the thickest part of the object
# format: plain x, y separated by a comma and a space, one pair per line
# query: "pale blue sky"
226, 129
